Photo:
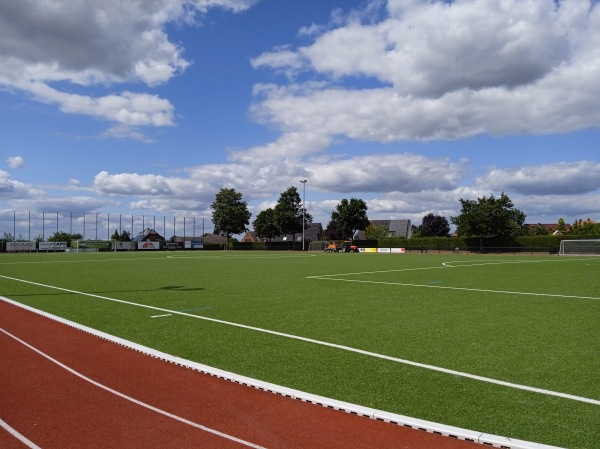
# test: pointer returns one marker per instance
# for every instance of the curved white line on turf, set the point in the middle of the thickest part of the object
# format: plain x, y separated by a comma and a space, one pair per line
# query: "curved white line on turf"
480, 290
330, 345
335, 277
18, 436
129, 398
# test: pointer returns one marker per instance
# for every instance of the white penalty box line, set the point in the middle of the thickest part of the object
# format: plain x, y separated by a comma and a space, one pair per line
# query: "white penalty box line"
343, 277
323, 343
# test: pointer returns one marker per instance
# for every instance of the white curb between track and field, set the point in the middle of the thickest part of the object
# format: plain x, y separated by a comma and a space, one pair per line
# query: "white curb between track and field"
415, 423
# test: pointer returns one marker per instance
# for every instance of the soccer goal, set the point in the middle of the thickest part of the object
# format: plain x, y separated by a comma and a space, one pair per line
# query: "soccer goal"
317, 246
589, 247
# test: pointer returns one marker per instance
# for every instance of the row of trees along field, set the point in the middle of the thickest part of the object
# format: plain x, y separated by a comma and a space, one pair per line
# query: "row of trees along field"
231, 215
289, 217
484, 217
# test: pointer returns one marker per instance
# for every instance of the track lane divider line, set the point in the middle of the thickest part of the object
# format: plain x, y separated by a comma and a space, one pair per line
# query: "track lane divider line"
129, 398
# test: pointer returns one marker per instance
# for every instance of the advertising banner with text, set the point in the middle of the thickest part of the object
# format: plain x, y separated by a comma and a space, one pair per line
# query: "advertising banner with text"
20, 246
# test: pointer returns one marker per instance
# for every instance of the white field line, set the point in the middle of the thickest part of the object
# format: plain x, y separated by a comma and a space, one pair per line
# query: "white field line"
480, 290
129, 398
330, 345
18, 436
445, 265
240, 256
204, 256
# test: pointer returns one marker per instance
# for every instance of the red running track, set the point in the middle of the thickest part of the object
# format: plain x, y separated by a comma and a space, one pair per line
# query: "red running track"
45, 405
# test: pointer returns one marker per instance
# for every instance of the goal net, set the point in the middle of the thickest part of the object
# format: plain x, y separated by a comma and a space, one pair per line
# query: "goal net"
590, 247
317, 246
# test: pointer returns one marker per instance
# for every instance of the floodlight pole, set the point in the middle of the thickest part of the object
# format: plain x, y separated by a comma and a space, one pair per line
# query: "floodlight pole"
303, 181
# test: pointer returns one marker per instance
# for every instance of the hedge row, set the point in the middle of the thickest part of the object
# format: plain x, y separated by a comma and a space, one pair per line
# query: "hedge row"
539, 243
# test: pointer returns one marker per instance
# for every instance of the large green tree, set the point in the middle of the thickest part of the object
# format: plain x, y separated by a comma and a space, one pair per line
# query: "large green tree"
351, 215
333, 231
374, 232
264, 225
488, 217
230, 214
434, 226
288, 213
585, 227
64, 237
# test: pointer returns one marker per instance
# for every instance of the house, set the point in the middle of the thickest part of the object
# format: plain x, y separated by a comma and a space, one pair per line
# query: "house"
313, 232
551, 228
148, 235
251, 237
198, 242
397, 228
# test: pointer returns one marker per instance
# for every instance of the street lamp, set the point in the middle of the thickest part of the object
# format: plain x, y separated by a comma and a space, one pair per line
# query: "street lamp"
303, 181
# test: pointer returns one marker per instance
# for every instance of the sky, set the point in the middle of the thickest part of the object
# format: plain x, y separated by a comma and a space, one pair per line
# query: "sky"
141, 111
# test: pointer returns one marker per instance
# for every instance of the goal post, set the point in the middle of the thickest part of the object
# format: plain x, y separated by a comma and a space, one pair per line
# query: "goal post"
584, 247
317, 246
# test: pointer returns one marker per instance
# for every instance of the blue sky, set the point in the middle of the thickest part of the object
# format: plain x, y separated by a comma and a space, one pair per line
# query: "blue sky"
149, 108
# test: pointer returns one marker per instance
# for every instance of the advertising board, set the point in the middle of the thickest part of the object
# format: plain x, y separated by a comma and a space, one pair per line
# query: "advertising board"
52, 246
98, 244
124, 246
20, 246
194, 244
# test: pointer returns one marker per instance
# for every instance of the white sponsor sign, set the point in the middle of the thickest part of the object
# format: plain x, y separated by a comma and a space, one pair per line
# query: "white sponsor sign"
53, 246
124, 245
194, 244
20, 246
398, 250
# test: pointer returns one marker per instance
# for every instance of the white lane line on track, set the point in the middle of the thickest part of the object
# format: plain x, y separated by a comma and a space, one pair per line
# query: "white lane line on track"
331, 345
18, 436
135, 401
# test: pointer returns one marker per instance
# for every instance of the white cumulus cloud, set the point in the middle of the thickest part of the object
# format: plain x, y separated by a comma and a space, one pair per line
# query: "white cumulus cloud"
15, 161
67, 43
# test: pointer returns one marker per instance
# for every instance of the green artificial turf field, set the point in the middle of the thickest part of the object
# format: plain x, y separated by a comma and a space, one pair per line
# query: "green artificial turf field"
529, 321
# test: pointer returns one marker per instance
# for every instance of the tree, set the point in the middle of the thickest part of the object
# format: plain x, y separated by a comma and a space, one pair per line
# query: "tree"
333, 231
288, 213
64, 237
416, 231
585, 227
488, 217
374, 232
434, 226
351, 216
230, 214
539, 230
265, 225
561, 227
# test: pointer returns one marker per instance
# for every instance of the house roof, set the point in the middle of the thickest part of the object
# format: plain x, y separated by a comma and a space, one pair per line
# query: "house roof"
397, 228
548, 226
147, 234
313, 232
